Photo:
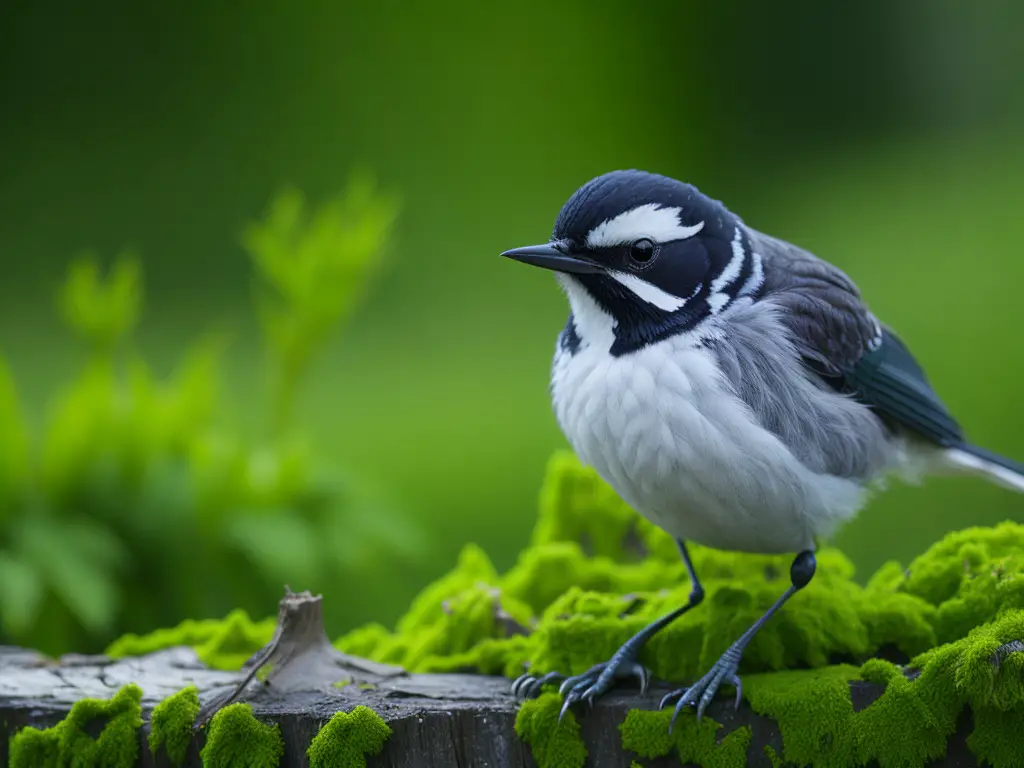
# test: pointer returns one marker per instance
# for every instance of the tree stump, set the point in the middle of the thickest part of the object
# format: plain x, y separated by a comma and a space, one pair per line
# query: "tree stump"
437, 720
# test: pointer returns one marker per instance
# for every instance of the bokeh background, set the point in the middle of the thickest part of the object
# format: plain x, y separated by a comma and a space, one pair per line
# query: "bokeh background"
884, 136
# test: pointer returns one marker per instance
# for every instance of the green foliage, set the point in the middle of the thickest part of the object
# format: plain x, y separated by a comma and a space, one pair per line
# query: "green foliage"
171, 722
313, 271
69, 744
102, 313
235, 737
553, 744
137, 503
347, 738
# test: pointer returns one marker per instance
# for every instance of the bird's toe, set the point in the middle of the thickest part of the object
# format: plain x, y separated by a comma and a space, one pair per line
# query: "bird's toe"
529, 686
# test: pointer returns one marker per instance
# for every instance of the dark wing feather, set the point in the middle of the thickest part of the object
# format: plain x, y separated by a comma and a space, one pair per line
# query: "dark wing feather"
841, 341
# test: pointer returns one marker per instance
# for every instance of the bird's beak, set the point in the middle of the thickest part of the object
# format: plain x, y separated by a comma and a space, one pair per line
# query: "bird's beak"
553, 256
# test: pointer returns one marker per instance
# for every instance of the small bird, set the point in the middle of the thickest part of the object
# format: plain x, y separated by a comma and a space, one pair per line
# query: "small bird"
732, 388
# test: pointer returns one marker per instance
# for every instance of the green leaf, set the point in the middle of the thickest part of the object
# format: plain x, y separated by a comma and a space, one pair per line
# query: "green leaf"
217, 466
21, 594
14, 440
81, 425
78, 561
283, 546
313, 269
102, 312
194, 393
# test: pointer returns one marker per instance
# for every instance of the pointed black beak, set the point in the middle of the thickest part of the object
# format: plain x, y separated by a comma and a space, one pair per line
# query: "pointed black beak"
553, 256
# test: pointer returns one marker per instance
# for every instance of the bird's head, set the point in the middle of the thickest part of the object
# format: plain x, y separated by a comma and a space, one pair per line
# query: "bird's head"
642, 257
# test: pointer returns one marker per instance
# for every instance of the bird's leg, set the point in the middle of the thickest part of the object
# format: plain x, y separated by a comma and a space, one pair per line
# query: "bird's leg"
725, 669
624, 662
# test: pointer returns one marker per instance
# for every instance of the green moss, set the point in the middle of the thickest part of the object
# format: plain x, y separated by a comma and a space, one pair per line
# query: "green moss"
577, 506
812, 708
969, 576
647, 734
171, 724
553, 744
220, 643
69, 744
33, 748
995, 739
237, 639
595, 573
236, 738
347, 738
910, 723
189, 632
365, 641
773, 756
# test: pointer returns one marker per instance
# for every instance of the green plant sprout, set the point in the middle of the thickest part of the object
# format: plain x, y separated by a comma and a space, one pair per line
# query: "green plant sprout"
313, 269
102, 313
132, 474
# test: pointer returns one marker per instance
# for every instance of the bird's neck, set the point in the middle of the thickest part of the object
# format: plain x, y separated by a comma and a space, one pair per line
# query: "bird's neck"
611, 323
595, 326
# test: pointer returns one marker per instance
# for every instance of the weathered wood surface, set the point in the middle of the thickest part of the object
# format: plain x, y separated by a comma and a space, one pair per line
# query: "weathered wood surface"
438, 721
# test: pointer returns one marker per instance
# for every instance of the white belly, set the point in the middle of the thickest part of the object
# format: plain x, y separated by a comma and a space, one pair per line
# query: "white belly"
658, 426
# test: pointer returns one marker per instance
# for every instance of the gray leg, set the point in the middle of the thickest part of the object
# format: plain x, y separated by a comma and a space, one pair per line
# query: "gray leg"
724, 670
623, 663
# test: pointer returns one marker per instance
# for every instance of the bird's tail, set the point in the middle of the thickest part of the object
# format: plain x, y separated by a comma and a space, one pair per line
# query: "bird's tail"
977, 461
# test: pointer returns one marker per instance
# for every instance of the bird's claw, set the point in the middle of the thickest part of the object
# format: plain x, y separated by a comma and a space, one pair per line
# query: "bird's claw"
598, 680
701, 693
587, 687
528, 686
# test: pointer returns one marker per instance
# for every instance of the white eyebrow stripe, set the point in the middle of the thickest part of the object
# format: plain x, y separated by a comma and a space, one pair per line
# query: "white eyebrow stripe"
718, 299
660, 224
649, 292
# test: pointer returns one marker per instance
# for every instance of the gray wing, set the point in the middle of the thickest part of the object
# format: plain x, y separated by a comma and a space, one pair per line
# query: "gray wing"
842, 342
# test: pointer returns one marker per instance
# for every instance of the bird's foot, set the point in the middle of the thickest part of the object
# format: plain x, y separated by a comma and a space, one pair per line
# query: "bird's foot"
703, 691
593, 683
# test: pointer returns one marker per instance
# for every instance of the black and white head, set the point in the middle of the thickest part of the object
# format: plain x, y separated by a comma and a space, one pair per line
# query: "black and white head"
646, 256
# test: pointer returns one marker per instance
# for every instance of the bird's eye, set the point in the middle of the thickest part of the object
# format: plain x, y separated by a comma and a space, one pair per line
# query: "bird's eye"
642, 251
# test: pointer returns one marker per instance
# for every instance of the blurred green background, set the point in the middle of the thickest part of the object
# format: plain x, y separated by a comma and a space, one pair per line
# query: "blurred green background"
884, 136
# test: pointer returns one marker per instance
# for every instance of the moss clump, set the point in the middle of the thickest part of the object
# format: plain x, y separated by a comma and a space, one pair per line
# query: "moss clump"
577, 506
219, 643
69, 744
171, 724
819, 727
970, 576
236, 738
553, 744
990, 741
347, 738
647, 734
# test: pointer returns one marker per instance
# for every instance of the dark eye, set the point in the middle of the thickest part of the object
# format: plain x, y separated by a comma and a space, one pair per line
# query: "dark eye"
642, 251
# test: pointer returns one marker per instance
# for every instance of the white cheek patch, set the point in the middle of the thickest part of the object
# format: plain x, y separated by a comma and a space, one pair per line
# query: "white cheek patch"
648, 292
660, 224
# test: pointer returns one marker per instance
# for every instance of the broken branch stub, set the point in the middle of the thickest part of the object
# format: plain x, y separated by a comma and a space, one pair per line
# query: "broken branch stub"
300, 658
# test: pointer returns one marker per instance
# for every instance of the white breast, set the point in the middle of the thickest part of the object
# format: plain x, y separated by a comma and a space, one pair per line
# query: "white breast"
661, 429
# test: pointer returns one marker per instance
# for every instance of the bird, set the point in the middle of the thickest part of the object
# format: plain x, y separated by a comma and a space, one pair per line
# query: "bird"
733, 388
